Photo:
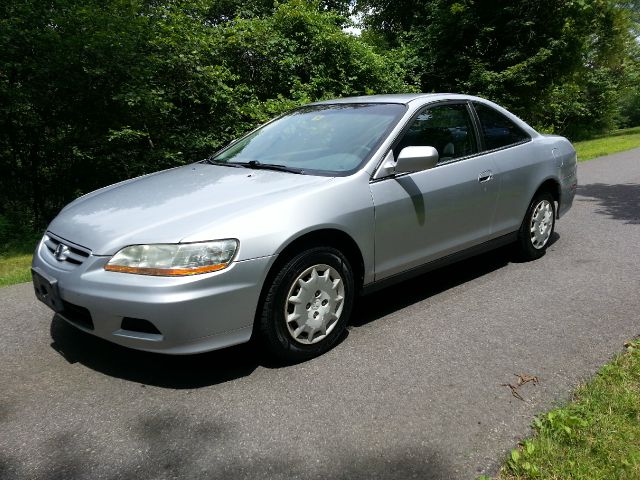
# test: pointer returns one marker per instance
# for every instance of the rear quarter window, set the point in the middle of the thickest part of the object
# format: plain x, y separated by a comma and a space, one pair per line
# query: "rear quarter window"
497, 130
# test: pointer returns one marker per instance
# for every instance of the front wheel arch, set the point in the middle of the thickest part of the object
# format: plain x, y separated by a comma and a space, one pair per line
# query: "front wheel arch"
272, 319
327, 237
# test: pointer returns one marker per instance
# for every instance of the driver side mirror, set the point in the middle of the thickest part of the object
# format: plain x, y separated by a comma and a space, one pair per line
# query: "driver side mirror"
416, 159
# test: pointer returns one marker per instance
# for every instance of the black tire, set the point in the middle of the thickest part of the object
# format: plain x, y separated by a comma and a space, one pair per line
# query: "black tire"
273, 326
525, 244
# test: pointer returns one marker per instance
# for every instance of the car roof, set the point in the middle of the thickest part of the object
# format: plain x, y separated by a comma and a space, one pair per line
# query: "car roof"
421, 98
404, 98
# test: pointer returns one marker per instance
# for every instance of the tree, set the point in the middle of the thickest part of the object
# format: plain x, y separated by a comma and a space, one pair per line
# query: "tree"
558, 64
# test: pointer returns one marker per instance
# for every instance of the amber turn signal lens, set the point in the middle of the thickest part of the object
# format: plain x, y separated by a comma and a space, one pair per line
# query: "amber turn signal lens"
165, 272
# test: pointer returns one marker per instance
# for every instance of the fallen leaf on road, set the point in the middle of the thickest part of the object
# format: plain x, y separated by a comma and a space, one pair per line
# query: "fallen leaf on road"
524, 378
514, 390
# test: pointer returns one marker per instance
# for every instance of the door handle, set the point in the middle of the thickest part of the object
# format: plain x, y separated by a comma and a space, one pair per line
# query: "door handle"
485, 176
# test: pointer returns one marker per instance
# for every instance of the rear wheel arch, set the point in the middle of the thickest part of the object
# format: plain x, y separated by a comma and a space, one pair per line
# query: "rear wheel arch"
537, 226
552, 186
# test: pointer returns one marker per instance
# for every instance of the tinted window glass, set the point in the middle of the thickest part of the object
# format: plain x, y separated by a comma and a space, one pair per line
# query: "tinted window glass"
498, 131
324, 138
447, 128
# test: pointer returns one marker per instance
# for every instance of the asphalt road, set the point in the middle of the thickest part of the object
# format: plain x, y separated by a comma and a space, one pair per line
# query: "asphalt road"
414, 391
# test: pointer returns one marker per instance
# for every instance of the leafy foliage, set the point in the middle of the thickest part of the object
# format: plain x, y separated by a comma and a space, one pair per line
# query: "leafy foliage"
558, 64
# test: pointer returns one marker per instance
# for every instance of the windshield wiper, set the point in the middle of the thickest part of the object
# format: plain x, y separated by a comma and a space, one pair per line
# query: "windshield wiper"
211, 161
256, 165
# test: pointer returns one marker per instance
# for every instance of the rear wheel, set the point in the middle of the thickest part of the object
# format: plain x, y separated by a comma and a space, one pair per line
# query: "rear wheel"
308, 304
537, 227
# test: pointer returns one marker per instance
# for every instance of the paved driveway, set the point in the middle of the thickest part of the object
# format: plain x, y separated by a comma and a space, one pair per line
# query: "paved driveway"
413, 392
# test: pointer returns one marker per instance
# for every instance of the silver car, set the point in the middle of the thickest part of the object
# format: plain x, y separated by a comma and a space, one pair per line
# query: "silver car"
276, 235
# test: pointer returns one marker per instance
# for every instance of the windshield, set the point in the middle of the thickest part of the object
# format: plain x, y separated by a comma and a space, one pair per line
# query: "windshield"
330, 139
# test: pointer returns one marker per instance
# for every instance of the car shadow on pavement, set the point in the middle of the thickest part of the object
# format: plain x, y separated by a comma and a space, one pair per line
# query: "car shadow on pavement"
206, 369
619, 201
434, 282
169, 371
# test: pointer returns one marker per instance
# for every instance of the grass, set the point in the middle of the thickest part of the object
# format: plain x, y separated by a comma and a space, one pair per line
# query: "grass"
617, 141
594, 437
15, 260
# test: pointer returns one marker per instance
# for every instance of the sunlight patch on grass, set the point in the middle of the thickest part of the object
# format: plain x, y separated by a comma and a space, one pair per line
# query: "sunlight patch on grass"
15, 260
617, 141
14, 269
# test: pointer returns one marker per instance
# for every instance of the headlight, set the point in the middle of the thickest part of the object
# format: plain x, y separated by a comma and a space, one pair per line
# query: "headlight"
166, 259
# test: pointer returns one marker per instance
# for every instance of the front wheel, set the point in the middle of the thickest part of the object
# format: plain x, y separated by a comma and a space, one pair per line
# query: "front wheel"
308, 304
537, 227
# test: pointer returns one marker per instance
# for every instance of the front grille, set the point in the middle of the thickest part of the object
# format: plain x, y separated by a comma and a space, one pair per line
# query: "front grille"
64, 252
77, 314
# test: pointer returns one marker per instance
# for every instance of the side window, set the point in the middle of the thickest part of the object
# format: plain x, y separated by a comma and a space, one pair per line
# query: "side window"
497, 130
447, 128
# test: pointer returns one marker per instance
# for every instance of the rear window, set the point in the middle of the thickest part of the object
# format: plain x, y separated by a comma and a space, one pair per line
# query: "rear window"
497, 130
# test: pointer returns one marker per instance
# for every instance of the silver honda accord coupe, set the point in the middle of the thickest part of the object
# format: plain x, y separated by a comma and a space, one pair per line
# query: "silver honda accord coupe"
277, 234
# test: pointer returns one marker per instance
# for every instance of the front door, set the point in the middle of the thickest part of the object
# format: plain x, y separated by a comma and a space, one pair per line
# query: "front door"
426, 215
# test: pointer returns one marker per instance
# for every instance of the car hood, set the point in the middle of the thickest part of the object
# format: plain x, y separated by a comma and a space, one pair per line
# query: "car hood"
167, 206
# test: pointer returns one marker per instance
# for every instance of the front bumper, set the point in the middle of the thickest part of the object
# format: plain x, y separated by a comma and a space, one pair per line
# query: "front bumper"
189, 314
